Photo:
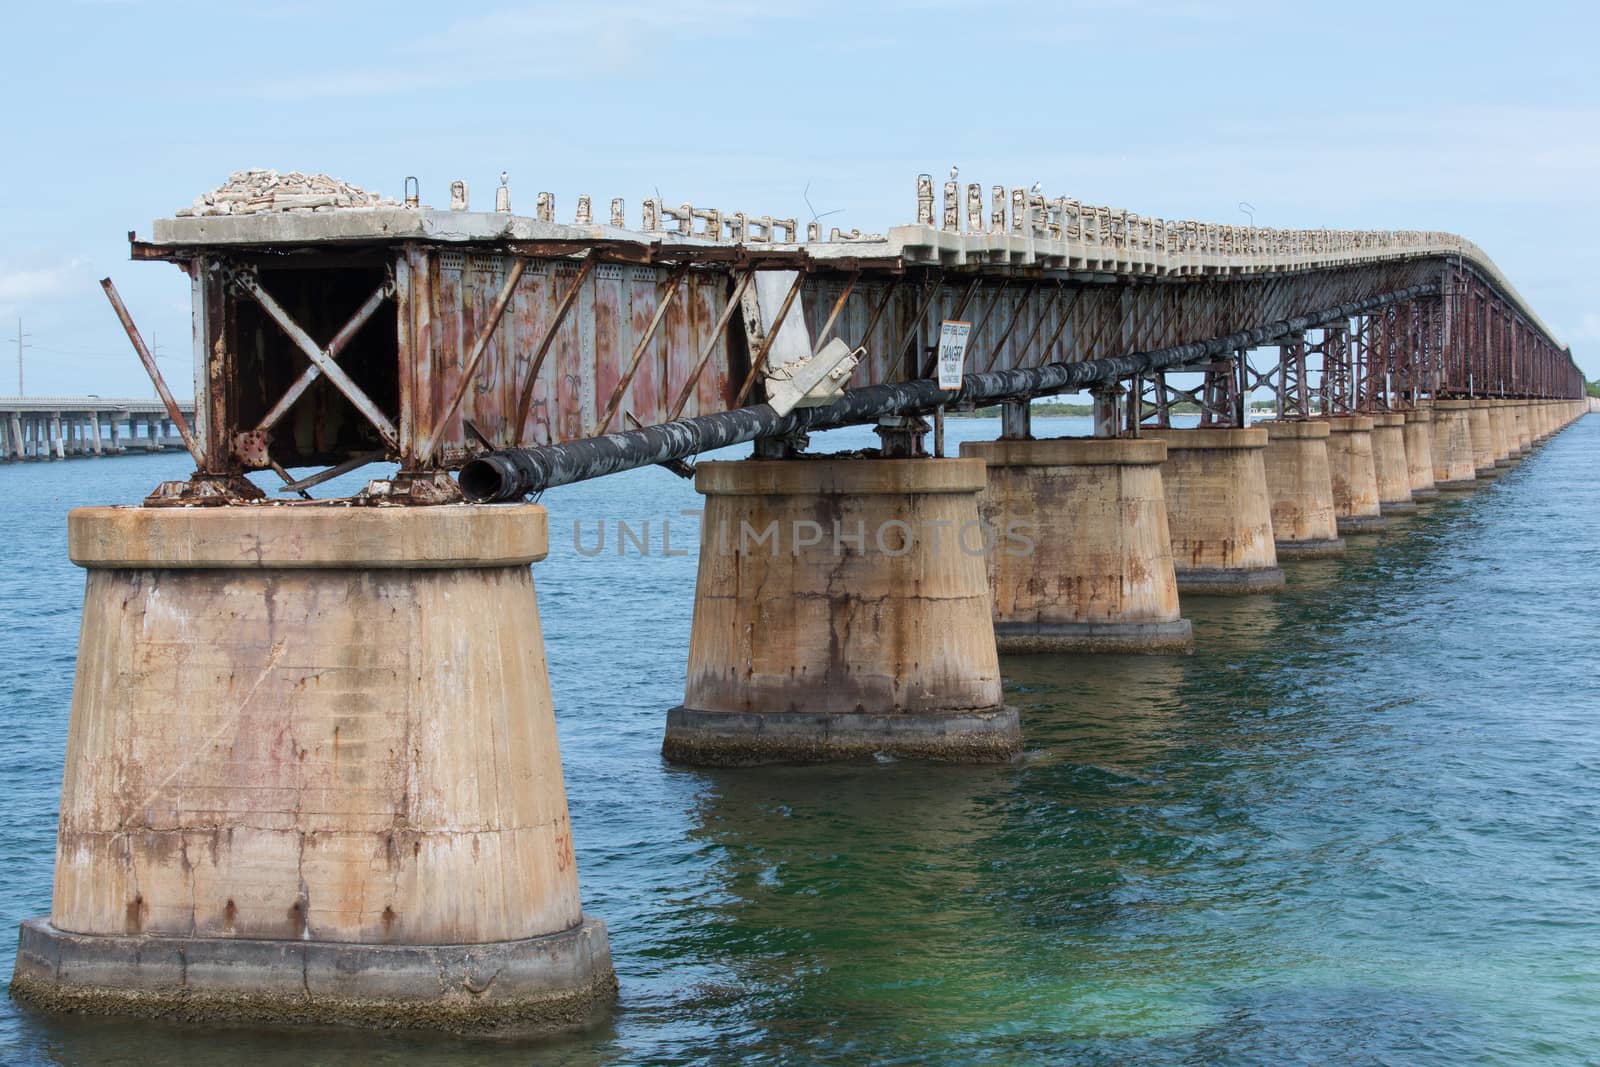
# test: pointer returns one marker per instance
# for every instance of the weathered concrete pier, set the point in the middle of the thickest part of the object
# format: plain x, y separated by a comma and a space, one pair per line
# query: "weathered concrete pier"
57, 427
312, 772
1095, 572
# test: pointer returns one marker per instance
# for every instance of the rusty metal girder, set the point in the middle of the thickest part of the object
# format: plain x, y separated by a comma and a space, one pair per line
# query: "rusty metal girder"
534, 342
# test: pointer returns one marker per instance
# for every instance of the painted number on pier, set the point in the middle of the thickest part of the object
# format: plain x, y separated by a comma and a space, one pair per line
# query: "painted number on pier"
952, 352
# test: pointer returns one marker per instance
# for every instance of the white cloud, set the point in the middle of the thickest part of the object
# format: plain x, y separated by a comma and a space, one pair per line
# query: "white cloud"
546, 40
21, 287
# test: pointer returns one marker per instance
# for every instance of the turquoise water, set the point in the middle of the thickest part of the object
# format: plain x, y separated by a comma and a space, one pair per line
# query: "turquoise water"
1360, 825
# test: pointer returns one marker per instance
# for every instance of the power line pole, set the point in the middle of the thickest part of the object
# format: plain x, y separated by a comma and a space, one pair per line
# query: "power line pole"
155, 354
20, 346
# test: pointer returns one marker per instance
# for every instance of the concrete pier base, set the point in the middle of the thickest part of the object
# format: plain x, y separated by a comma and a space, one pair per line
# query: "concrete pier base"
1300, 490
1219, 511
1390, 465
556, 982
1418, 436
1503, 422
312, 776
1485, 439
1454, 467
1522, 425
842, 610
1099, 575
1354, 475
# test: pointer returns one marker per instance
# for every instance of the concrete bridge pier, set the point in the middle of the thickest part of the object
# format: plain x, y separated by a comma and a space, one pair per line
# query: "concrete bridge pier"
842, 610
1099, 575
1355, 477
1418, 436
1454, 457
1504, 426
1485, 439
1389, 463
1524, 427
312, 776
1219, 510
1300, 489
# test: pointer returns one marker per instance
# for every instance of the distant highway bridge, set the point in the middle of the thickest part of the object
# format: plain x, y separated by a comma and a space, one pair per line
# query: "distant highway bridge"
56, 427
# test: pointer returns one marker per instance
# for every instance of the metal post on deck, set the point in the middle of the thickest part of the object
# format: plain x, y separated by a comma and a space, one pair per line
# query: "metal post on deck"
1016, 420
1107, 409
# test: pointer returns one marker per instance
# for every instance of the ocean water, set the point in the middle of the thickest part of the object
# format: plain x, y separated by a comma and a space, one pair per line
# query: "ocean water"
1360, 825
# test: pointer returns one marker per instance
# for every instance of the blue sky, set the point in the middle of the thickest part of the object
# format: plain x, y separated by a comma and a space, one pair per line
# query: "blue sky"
1479, 119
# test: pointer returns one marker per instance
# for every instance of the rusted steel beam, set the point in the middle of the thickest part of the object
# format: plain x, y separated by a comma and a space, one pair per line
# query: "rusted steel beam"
665, 301
1038, 323
1011, 324
912, 331
833, 315
342, 381
525, 400
335, 347
430, 445
1061, 326
510, 474
353, 463
288, 479
174, 412
710, 346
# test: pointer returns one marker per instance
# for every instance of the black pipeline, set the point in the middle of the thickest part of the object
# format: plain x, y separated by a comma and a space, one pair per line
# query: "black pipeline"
513, 473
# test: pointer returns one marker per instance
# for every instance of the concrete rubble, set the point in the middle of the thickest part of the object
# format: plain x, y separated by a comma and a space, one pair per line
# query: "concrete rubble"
255, 191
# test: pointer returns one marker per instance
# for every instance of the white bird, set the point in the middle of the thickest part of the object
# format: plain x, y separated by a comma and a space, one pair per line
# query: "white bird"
954, 170
503, 177
1038, 187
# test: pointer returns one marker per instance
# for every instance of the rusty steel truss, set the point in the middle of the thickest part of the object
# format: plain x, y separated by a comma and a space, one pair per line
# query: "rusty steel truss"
335, 338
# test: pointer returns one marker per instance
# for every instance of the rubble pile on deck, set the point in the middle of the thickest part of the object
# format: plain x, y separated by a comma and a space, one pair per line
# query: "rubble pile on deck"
249, 192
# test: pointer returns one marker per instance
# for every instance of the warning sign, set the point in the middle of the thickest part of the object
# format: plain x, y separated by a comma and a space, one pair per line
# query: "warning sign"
952, 352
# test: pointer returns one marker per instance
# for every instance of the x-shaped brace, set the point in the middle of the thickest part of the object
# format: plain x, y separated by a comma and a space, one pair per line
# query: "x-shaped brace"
322, 359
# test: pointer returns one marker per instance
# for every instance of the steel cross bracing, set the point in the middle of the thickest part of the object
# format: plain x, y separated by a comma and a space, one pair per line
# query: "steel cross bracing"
429, 338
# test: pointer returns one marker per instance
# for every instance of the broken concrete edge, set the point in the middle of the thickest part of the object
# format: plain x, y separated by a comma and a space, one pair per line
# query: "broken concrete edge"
542, 985
1168, 638
1219, 582
749, 738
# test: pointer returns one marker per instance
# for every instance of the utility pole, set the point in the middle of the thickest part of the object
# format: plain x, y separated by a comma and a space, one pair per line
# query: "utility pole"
20, 346
155, 354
